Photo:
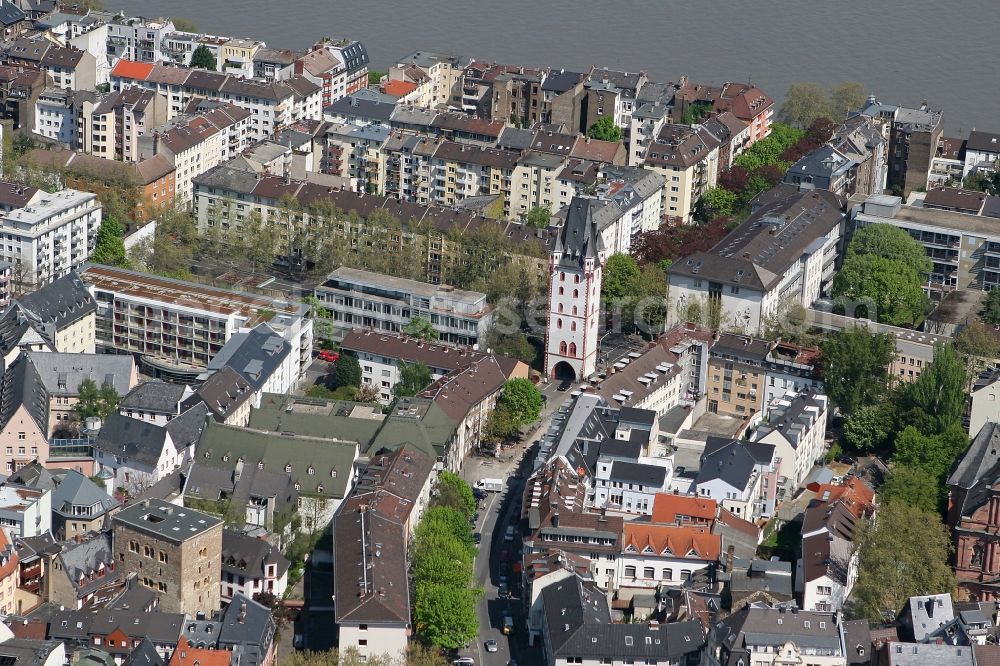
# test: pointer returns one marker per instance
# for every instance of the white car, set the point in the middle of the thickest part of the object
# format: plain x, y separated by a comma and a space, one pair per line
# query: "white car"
491, 646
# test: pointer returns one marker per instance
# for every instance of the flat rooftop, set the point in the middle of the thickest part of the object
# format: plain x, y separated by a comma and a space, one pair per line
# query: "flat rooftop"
256, 309
166, 520
942, 219
368, 278
17, 499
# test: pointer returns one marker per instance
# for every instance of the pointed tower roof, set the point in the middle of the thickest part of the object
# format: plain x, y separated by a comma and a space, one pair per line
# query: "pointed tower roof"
578, 239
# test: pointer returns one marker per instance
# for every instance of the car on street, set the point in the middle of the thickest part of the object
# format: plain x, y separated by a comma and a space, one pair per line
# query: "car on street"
478, 538
564, 385
478, 494
464, 661
502, 591
329, 356
504, 554
512, 662
491, 646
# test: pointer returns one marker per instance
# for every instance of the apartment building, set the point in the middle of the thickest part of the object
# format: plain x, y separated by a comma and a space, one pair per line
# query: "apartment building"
20, 89
182, 551
64, 313
742, 477
913, 140
114, 126
68, 68
251, 566
136, 38
362, 299
982, 152
796, 426
663, 555
272, 105
964, 249
765, 635
785, 253
747, 102
612, 93
59, 114
354, 55
177, 327
324, 69
193, 146
50, 236
688, 158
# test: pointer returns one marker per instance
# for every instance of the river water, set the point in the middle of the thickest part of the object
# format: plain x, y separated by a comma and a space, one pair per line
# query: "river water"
905, 51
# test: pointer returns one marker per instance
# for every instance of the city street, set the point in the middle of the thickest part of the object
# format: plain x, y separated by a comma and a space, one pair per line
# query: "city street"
497, 556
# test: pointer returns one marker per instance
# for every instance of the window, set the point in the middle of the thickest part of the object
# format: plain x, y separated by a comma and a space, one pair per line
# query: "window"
572, 349
630, 571
133, 546
649, 572
562, 348
163, 557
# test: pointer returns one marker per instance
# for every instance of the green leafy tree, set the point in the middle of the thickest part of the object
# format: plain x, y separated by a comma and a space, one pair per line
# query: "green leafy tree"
844, 98
854, 364
619, 277
445, 615
513, 345
983, 181
321, 317
804, 103
420, 328
538, 217
413, 378
980, 348
991, 308
375, 78
886, 268
715, 202
911, 486
869, 427
604, 129
935, 400
522, 400
500, 426
202, 58
902, 554
109, 249
347, 371
449, 522
94, 400
453, 491
934, 453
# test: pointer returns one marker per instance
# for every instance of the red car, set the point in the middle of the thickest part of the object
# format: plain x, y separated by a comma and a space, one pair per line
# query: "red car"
329, 356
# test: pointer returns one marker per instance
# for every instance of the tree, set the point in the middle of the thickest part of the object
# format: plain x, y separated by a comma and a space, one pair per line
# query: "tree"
456, 492
869, 427
184, 25
95, 401
844, 98
977, 343
983, 181
321, 317
202, 58
347, 371
522, 400
935, 400
902, 554
619, 277
366, 393
604, 129
500, 426
854, 363
413, 378
715, 202
820, 131
445, 615
512, 345
420, 328
109, 249
538, 217
885, 268
804, 103
375, 78
912, 486
933, 453
991, 308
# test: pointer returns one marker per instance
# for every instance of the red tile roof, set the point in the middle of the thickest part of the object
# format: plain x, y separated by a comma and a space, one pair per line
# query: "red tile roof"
856, 495
669, 508
670, 540
129, 69
185, 655
398, 88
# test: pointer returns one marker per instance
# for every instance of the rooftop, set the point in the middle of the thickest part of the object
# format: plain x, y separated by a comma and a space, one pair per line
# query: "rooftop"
166, 520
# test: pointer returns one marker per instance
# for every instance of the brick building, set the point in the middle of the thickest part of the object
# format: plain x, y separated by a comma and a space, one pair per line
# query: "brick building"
173, 550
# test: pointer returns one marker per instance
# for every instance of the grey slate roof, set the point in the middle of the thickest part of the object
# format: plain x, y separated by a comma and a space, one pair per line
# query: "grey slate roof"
85, 558
728, 460
248, 625
562, 80
246, 556
762, 625
23, 386
918, 654
63, 373
131, 439
154, 396
359, 106
77, 489
165, 520
9, 13
18, 326
26, 651
646, 475
34, 475
185, 430
255, 355
62, 301
578, 239
923, 615
144, 654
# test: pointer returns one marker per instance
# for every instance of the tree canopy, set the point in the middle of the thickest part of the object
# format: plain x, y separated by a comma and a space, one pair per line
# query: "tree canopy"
522, 400
804, 103
511, 344
618, 277
109, 249
413, 378
912, 486
538, 217
604, 129
991, 308
715, 202
902, 554
455, 493
854, 364
869, 427
202, 58
347, 371
97, 401
935, 400
418, 327
884, 269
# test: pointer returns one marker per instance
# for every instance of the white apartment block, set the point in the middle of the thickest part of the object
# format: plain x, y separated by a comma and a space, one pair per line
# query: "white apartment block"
362, 299
58, 114
135, 38
785, 253
51, 236
796, 426
177, 327
688, 159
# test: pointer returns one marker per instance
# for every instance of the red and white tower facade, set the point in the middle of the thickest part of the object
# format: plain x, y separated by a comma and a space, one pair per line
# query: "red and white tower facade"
571, 335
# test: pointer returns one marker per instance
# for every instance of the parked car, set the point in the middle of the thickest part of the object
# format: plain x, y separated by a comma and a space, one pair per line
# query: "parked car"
564, 385
502, 591
491, 646
329, 356
478, 538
